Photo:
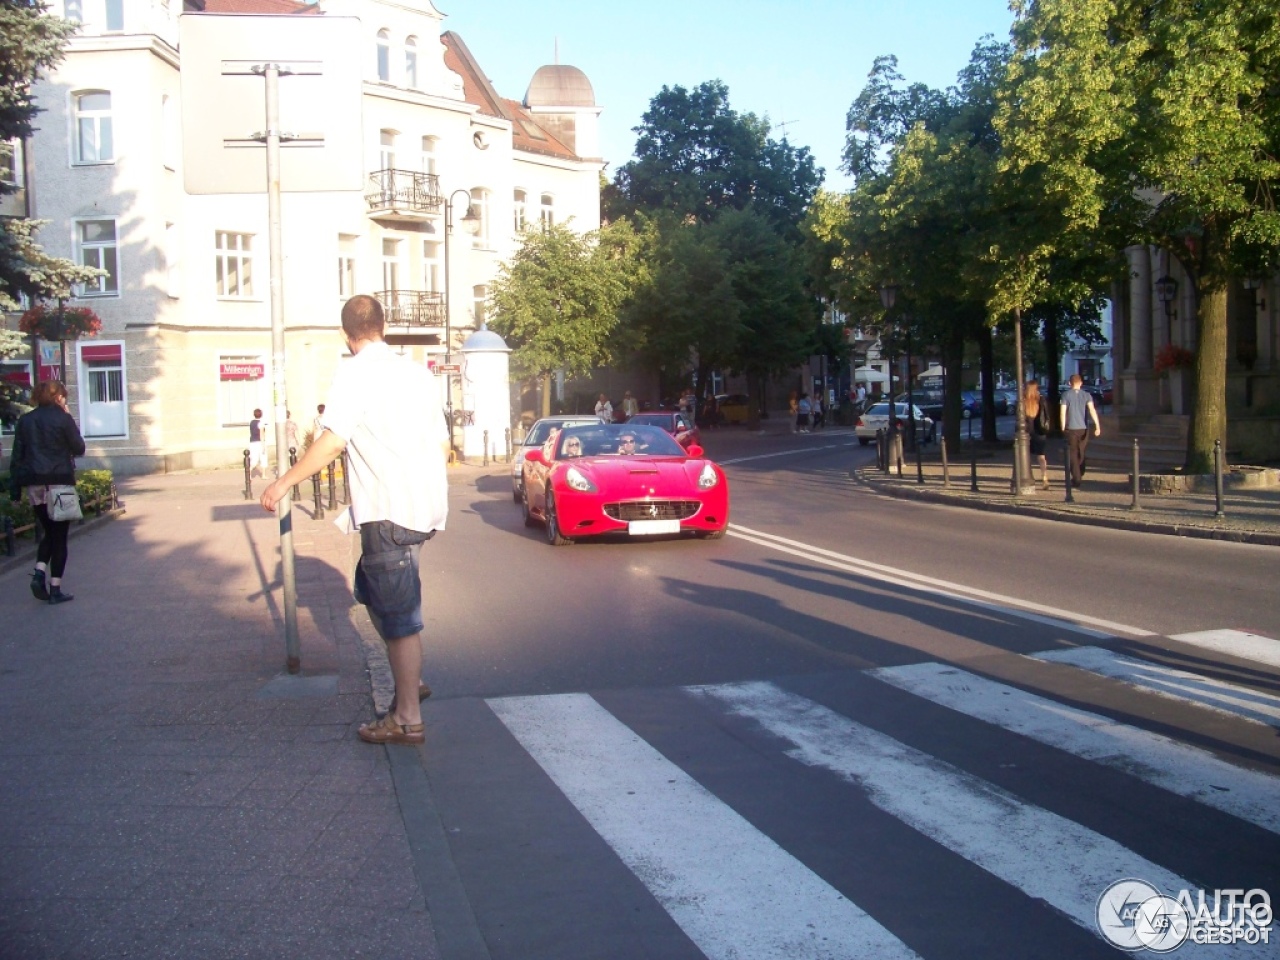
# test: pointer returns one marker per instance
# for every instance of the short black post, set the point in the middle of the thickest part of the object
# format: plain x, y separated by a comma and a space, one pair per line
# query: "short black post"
248, 480
973, 464
1219, 513
486, 448
1135, 505
293, 459
346, 477
882, 457
333, 485
919, 465
315, 493
10, 538
946, 472
1066, 463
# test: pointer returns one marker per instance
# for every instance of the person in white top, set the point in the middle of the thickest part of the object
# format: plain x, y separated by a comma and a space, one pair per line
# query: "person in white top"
383, 411
604, 409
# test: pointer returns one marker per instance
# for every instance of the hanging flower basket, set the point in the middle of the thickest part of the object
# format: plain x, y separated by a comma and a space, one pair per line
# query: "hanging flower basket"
1173, 357
69, 323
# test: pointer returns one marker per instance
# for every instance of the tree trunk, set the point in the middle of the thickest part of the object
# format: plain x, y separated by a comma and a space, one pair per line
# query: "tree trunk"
953, 364
1209, 383
1053, 359
548, 380
988, 385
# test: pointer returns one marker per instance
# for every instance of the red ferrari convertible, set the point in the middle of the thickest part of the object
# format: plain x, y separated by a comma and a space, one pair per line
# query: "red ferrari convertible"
617, 478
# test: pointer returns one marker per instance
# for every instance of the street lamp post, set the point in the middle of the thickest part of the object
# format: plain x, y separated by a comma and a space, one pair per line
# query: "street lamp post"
1166, 291
1021, 438
472, 220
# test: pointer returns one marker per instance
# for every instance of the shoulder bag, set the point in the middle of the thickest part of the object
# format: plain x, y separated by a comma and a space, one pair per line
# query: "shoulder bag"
63, 503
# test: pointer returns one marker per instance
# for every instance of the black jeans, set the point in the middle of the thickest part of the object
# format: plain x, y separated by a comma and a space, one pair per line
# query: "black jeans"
53, 546
1077, 444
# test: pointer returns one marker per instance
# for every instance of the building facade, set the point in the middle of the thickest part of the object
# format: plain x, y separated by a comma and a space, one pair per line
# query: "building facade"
452, 174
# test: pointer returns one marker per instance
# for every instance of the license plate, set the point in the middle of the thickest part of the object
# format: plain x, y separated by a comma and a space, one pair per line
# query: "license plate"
643, 528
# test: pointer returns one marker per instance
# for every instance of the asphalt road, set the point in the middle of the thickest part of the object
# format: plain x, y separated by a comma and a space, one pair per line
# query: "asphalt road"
855, 727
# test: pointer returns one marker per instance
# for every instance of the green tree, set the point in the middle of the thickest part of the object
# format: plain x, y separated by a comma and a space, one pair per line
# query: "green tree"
557, 300
1160, 123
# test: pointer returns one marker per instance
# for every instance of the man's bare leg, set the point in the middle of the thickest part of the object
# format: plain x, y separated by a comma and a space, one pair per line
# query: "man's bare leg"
405, 655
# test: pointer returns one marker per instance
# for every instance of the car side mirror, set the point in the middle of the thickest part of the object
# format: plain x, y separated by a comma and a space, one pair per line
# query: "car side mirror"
694, 450
535, 456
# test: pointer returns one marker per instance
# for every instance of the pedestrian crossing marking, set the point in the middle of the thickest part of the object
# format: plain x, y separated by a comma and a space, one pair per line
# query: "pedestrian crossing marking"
731, 888
1219, 695
968, 815
1156, 759
1237, 643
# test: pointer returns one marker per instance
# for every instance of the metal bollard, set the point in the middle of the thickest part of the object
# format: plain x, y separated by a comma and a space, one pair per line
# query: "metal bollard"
1066, 463
919, 463
10, 538
248, 480
882, 461
315, 493
293, 459
973, 465
346, 478
333, 486
1135, 505
485, 441
1219, 513
946, 472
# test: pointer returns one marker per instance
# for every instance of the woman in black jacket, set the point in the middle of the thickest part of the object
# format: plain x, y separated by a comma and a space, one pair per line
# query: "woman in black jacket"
45, 443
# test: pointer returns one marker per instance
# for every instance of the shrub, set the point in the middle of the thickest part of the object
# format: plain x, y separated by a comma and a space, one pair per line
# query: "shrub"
95, 485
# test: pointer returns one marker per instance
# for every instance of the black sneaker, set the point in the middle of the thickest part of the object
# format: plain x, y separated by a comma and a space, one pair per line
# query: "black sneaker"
57, 596
38, 589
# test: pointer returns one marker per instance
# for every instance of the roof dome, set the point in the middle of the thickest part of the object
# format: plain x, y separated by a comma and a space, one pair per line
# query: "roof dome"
559, 85
485, 340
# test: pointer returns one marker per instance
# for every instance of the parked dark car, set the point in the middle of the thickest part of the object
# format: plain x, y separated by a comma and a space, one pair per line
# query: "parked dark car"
928, 402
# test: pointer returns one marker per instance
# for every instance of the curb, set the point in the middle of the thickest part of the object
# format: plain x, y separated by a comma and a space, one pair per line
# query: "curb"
27, 551
1133, 524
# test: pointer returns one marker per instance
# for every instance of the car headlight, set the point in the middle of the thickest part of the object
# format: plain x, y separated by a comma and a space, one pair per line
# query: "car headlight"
708, 478
578, 480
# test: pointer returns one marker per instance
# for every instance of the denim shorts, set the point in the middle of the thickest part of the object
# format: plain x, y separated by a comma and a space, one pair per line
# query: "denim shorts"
387, 580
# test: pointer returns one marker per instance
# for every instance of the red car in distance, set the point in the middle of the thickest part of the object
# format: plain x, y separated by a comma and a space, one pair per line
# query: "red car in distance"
677, 424
624, 479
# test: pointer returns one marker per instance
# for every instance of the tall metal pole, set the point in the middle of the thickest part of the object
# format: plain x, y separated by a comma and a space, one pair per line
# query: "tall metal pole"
448, 320
1021, 439
284, 510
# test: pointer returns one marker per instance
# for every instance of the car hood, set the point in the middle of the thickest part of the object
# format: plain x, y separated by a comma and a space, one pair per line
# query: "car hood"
641, 476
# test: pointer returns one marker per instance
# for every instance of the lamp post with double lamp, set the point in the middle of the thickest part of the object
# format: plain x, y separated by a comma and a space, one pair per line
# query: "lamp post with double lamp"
472, 222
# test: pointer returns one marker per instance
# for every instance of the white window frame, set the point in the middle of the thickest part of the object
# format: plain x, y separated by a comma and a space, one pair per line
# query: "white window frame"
411, 62
393, 273
89, 150
347, 264
85, 375
432, 269
384, 56
11, 162
386, 149
481, 201
233, 265
479, 298
547, 210
430, 158
103, 254
519, 209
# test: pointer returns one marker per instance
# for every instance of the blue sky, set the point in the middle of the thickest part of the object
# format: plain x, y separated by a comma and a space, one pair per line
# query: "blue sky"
799, 63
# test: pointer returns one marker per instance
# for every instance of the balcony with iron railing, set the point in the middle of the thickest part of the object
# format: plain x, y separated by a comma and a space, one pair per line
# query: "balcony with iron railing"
403, 195
414, 311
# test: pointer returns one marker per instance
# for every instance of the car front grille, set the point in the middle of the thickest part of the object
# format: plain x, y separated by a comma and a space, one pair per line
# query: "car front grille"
630, 510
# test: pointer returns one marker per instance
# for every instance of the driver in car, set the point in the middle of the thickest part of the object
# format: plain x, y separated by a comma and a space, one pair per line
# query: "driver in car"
627, 445
573, 447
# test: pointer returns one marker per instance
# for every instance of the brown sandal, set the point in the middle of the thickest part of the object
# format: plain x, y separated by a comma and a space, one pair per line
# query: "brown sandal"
388, 730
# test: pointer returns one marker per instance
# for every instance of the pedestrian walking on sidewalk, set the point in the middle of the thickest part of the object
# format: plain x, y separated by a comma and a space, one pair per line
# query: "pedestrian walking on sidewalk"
380, 409
1077, 411
803, 409
46, 442
257, 448
1037, 414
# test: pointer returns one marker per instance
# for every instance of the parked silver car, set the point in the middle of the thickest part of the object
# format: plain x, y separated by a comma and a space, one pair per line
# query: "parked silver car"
876, 417
536, 437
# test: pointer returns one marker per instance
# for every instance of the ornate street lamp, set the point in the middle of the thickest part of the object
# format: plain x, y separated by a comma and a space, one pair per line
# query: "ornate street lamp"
472, 222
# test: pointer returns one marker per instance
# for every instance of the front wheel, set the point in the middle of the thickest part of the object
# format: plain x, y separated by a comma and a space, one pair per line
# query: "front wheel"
554, 536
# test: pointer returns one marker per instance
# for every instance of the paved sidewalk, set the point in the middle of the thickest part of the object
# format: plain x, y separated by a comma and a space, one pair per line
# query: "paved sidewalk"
167, 790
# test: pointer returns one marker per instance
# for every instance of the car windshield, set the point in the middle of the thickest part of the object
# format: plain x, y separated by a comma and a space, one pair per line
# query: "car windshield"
662, 420
603, 440
539, 432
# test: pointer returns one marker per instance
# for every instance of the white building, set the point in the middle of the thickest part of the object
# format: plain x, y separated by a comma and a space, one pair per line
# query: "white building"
185, 352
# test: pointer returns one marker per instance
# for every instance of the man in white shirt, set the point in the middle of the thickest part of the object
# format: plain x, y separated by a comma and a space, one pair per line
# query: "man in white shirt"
383, 411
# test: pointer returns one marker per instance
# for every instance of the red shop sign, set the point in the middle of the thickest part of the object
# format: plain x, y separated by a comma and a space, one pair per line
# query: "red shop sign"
242, 371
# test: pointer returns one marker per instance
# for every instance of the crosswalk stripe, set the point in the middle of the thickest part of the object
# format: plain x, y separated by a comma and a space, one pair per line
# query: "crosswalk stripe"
966, 814
733, 890
1219, 695
1237, 643
1181, 769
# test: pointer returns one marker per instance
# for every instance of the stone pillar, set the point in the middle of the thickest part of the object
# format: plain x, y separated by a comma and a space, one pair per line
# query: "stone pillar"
1140, 356
1119, 340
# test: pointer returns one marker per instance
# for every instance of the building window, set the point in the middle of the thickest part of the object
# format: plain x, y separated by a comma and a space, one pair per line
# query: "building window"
11, 162
429, 156
93, 127
234, 265
15, 385
548, 211
347, 265
384, 56
520, 211
96, 247
479, 295
411, 62
390, 264
480, 206
103, 410
242, 388
115, 15
387, 149
431, 271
